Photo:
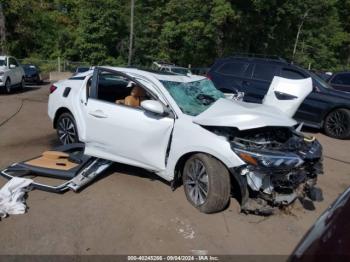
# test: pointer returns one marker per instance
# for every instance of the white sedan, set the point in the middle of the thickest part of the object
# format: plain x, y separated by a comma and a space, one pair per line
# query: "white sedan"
186, 131
11, 73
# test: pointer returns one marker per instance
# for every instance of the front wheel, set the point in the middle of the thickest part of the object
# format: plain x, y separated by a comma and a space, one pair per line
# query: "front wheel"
67, 131
22, 84
337, 124
8, 86
206, 183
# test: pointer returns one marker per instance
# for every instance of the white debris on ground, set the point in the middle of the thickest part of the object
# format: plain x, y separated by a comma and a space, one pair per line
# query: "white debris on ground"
12, 200
184, 229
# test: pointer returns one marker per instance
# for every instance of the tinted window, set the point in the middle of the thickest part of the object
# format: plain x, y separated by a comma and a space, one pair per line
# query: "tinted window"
341, 79
13, 61
264, 72
112, 87
291, 74
233, 68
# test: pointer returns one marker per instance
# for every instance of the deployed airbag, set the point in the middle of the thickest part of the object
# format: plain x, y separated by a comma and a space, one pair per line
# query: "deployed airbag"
12, 196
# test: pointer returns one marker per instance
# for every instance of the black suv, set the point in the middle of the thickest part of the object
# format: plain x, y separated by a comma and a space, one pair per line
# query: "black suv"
325, 107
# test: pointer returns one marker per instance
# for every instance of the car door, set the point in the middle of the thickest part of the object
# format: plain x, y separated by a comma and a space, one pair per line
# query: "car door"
230, 75
257, 86
341, 81
123, 133
15, 72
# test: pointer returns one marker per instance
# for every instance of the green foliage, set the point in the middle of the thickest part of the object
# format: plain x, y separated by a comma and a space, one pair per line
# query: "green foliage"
185, 32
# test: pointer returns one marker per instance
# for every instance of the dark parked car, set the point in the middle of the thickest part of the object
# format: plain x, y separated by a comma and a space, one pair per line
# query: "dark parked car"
329, 238
340, 81
324, 108
202, 71
32, 74
81, 69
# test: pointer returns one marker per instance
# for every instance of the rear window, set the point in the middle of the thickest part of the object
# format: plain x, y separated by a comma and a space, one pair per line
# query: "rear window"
233, 68
264, 72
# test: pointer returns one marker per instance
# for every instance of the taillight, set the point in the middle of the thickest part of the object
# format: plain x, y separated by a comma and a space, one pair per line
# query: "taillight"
208, 76
52, 88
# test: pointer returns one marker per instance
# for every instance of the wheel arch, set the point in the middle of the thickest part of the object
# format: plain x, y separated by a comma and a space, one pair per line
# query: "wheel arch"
59, 112
238, 183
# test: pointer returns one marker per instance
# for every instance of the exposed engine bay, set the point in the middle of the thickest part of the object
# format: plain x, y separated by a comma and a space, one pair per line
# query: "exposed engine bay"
282, 165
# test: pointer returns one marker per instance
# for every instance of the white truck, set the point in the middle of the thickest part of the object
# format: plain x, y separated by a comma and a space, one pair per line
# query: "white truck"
11, 74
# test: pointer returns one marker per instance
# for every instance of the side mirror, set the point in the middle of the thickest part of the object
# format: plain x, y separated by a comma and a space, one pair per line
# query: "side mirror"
153, 106
12, 66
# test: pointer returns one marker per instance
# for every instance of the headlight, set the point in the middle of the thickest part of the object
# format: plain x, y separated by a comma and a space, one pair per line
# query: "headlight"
270, 159
1, 73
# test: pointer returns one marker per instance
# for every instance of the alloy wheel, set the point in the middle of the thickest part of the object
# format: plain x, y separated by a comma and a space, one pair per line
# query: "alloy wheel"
66, 131
196, 182
337, 123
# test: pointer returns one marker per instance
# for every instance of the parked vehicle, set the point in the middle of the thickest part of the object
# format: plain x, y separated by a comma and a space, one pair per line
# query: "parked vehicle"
81, 69
325, 108
329, 238
183, 129
32, 74
202, 71
11, 74
171, 68
340, 81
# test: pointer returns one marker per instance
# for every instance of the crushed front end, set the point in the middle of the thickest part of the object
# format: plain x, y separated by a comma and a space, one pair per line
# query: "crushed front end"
282, 165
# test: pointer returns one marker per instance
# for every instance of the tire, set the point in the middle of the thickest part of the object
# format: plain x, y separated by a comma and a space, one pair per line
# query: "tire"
22, 84
8, 86
66, 129
206, 183
337, 124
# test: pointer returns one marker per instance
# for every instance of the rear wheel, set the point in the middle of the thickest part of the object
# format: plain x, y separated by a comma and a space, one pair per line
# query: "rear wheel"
337, 124
22, 84
206, 183
67, 129
8, 86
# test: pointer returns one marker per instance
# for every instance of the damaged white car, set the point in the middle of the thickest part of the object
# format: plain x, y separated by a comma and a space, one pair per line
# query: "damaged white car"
187, 132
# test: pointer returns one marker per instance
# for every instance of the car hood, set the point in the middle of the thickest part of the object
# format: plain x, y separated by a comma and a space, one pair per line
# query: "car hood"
225, 112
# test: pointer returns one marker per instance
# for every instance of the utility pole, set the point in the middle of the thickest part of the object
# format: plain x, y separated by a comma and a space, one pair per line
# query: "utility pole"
298, 33
2, 30
131, 39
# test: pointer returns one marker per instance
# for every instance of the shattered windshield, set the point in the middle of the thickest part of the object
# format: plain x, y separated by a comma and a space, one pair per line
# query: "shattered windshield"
193, 97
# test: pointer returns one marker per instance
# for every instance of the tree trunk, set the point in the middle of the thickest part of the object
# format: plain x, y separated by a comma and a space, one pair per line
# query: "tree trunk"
2, 31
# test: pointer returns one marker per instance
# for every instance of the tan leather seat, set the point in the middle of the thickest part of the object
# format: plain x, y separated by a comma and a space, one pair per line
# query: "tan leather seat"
135, 98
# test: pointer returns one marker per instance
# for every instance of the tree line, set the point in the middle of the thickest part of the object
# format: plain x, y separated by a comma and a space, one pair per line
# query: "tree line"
196, 32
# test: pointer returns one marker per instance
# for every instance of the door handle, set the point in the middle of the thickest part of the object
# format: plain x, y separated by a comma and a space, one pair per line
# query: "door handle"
98, 114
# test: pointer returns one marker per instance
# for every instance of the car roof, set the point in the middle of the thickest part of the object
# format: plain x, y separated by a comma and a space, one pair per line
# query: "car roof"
160, 75
254, 59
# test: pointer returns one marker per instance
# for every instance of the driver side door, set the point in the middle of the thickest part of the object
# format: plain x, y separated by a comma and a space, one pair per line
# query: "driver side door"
121, 133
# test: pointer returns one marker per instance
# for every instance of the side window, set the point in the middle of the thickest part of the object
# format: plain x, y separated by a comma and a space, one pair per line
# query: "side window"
233, 68
341, 79
291, 74
13, 61
118, 89
264, 72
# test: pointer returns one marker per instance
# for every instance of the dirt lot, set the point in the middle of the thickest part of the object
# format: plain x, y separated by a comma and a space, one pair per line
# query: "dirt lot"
132, 212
